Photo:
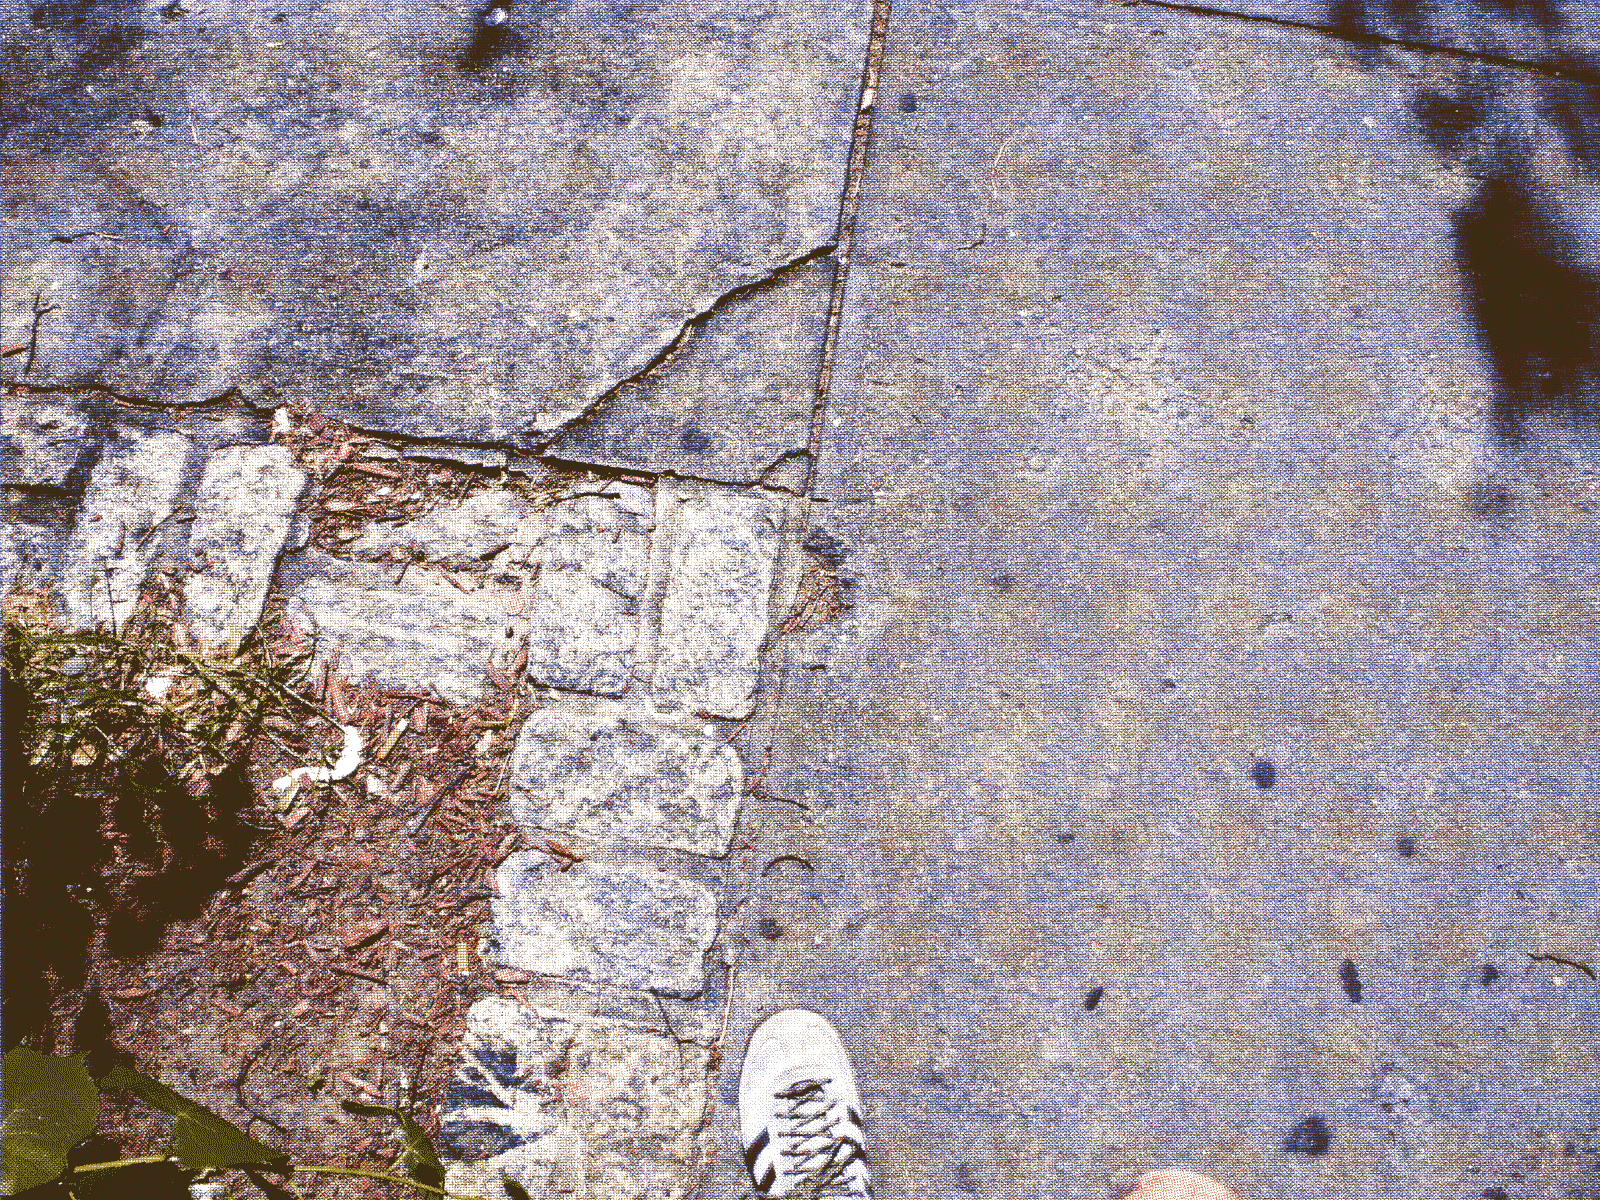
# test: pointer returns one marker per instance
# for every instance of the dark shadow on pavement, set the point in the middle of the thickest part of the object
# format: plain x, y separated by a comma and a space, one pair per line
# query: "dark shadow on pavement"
1528, 242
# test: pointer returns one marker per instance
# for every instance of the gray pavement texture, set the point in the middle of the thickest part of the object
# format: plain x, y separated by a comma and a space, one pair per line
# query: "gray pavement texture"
1203, 775
1199, 770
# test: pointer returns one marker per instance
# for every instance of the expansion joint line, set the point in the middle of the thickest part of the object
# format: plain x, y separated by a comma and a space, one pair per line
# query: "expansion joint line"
848, 206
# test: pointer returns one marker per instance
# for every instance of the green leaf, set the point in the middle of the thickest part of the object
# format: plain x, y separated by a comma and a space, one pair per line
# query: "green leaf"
200, 1138
514, 1189
51, 1105
421, 1161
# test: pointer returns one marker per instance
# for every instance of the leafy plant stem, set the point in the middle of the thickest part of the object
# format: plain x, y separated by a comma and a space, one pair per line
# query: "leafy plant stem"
411, 1183
85, 1168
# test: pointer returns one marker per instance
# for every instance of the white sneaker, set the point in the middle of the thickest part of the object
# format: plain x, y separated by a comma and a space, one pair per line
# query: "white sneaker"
799, 1111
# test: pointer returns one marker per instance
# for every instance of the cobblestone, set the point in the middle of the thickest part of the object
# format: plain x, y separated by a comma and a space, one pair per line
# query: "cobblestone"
716, 611
244, 510
415, 634
131, 493
45, 444
584, 622
455, 534
609, 777
570, 1106
628, 926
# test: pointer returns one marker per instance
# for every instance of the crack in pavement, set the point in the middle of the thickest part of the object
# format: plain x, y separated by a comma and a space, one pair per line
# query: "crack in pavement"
849, 205
1361, 38
685, 335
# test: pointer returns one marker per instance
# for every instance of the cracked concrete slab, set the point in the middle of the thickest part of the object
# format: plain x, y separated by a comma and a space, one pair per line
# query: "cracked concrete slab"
132, 492
416, 634
409, 219
570, 1107
584, 617
623, 925
245, 507
732, 403
612, 777
715, 614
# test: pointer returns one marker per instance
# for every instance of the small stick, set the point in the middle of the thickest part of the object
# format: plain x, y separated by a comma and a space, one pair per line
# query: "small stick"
423, 818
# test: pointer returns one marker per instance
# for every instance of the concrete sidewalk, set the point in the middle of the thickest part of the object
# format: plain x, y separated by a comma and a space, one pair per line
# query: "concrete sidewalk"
1202, 775
1147, 702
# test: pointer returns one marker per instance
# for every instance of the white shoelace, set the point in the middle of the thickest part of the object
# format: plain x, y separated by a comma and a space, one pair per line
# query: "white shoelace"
806, 1137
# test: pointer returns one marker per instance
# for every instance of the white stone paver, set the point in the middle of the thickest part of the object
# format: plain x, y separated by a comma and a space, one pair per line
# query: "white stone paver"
570, 1107
244, 513
415, 634
131, 492
609, 777
717, 606
623, 925
584, 620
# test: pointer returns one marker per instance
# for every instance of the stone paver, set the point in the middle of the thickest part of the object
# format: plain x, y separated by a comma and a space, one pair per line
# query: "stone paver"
610, 777
456, 534
44, 444
417, 634
584, 619
570, 1107
28, 555
132, 491
627, 926
245, 510
716, 611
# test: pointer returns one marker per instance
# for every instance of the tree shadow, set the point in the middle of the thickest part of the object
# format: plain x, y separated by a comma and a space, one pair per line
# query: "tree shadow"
1527, 243
101, 869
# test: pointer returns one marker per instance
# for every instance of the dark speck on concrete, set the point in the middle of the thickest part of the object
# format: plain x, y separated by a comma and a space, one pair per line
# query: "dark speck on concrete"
1492, 501
965, 1180
1405, 847
1312, 1136
1003, 582
908, 102
1489, 974
1066, 839
769, 929
1350, 980
1496, 1193
1091, 1001
1264, 773
694, 439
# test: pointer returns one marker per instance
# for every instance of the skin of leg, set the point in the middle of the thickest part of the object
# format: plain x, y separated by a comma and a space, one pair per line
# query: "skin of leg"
1179, 1185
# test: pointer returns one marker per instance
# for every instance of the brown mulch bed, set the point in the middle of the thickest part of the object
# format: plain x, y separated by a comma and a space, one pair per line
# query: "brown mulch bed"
273, 959
336, 958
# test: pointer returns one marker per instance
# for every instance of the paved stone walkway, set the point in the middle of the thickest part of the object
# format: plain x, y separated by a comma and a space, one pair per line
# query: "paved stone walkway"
641, 613
1209, 449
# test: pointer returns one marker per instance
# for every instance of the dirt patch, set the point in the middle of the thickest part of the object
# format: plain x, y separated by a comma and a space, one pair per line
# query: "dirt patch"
824, 591
295, 950
361, 478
